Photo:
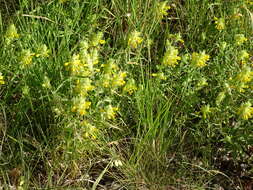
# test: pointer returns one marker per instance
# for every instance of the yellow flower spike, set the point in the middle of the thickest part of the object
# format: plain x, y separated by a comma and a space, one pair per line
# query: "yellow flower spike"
97, 39
134, 39
73, 109
84, 45
241, 87
90, 130
42, 51
1, 79
199, 59
94, 56
102, 41
245, 75
118, 79
171, 57
219, 23
243, 56
83, 86
240, 39
11, 32
106, 80
245, 111
110, 112
159, 75
83, 107
26, 57
75, 66
80, 106
162, 9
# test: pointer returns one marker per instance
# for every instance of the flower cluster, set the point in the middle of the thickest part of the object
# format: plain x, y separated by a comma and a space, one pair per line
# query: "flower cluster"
199, 59
171, 57
26, 57
240, 39
11, 34
162, 9
243, 56
80, 105
42, 51
109, 112
242, 79
94, 80
219, 23
245, 111
112, 77
90, 130
134, 39
84, 66
245, 75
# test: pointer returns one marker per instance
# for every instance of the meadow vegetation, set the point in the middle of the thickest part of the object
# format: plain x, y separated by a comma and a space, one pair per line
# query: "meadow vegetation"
126, 94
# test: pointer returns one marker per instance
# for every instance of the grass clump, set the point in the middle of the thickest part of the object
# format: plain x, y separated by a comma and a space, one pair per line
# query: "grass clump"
126, 95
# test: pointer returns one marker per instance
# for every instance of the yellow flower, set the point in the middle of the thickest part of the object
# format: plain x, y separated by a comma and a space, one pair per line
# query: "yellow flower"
97, 39
162, 9
245, 75
245, 111
220, 23
134, 39
81, 106
240, 39
175, 38
199, 59
11, 32
90, 130
26, 57
106, 80
118, 79
42, 51
130, 87
110, 112
171, 57
75, 65
83, 86
243, 56
84, 45
1, 79
159, 75
241, 87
